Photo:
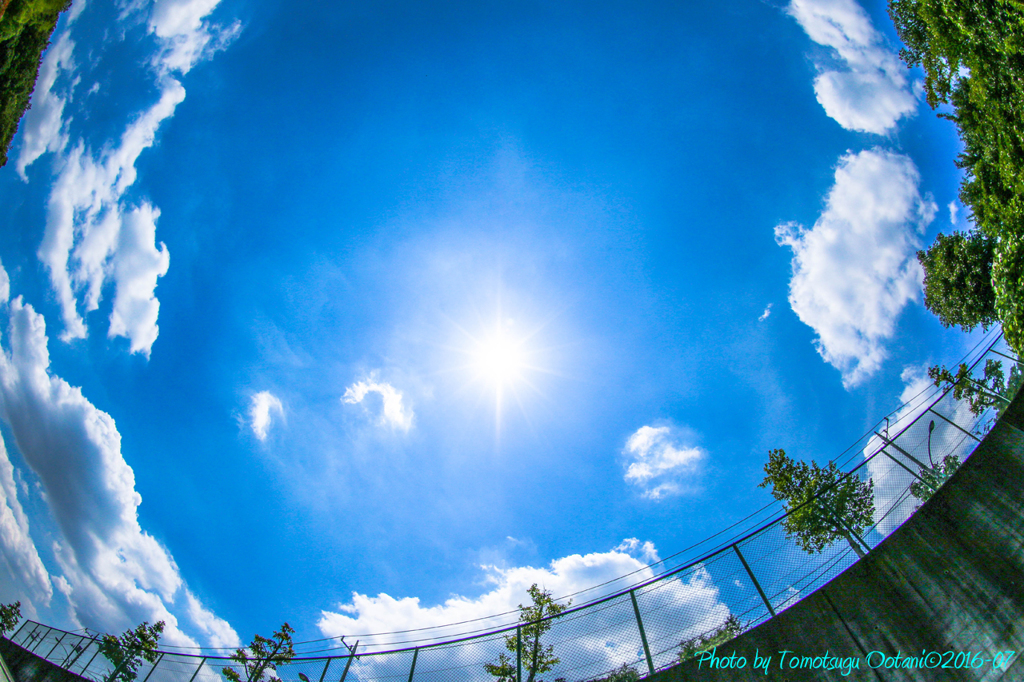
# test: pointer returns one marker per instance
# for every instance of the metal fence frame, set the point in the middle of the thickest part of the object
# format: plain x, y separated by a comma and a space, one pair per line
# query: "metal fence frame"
664, 602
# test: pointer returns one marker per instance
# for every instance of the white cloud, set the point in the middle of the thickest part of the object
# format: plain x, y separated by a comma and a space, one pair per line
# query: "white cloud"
952, 213
217, 630
394, 413
114, 573
657, 461
185, 36
854, 271
872, 92
42, 129
606, 638
5, 285
91, 237
263, 403
25, 572
766, 313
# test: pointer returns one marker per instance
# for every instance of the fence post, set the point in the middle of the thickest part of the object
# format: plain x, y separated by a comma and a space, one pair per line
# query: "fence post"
519, 654
643, 635
82, 674
351, 655
908, 469
76, 651
415, 654
18, 631
197, 669
41, 636
757, 585
59, 640
324, 673
955, 425
906, 454
155, 664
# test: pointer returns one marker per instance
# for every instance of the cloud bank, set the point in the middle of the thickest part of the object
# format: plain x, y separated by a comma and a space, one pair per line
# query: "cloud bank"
607, 640
855, 269
113, 573
658, 464
871, 92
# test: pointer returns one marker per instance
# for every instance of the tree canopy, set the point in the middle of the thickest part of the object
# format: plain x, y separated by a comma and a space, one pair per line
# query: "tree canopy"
958, 280
992, 389
9, 616
263, 657
537, 658
127, 651
972, 53
826, 504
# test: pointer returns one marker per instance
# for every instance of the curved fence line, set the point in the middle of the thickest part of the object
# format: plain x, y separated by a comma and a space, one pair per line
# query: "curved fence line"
620, 634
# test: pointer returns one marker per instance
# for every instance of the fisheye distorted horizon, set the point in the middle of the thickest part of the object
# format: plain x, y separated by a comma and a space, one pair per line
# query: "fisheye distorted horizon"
367, 318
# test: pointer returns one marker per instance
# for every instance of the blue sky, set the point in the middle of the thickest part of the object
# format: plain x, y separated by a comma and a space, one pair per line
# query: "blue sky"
366, 317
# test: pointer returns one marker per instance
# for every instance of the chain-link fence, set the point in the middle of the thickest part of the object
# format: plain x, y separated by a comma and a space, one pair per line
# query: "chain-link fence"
704, 596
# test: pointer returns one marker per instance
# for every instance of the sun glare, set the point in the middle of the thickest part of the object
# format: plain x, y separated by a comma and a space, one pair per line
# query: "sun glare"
500, 359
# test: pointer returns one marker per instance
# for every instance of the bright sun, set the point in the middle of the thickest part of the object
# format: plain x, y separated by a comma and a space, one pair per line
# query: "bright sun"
500, 359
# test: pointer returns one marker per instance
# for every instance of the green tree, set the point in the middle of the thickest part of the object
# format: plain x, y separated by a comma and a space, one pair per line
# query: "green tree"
972, 53
728, 630
537, 658
992, 389
826, 506
127, 651
263, 657
958, 280
9, 616
934, 476
624, 673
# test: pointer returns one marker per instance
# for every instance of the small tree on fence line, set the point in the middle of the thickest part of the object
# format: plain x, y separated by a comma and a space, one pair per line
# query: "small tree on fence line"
263, 657
536, 658
9, 616
127, 651
934, 476
993, 389
828, 506
728, 630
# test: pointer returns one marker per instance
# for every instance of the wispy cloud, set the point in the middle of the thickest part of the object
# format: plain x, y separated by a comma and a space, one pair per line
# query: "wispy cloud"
393, 413
112, 572
871, 92
658, 463
855, 270
766, 313
260, 409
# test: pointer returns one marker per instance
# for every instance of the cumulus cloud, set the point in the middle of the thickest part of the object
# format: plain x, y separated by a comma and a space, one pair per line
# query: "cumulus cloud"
605, 640
393, 412
113, 573
42, 129
25, 572
766, 313
260, 408
658, 463
855, 270
871, 93
91, 237
186, 36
